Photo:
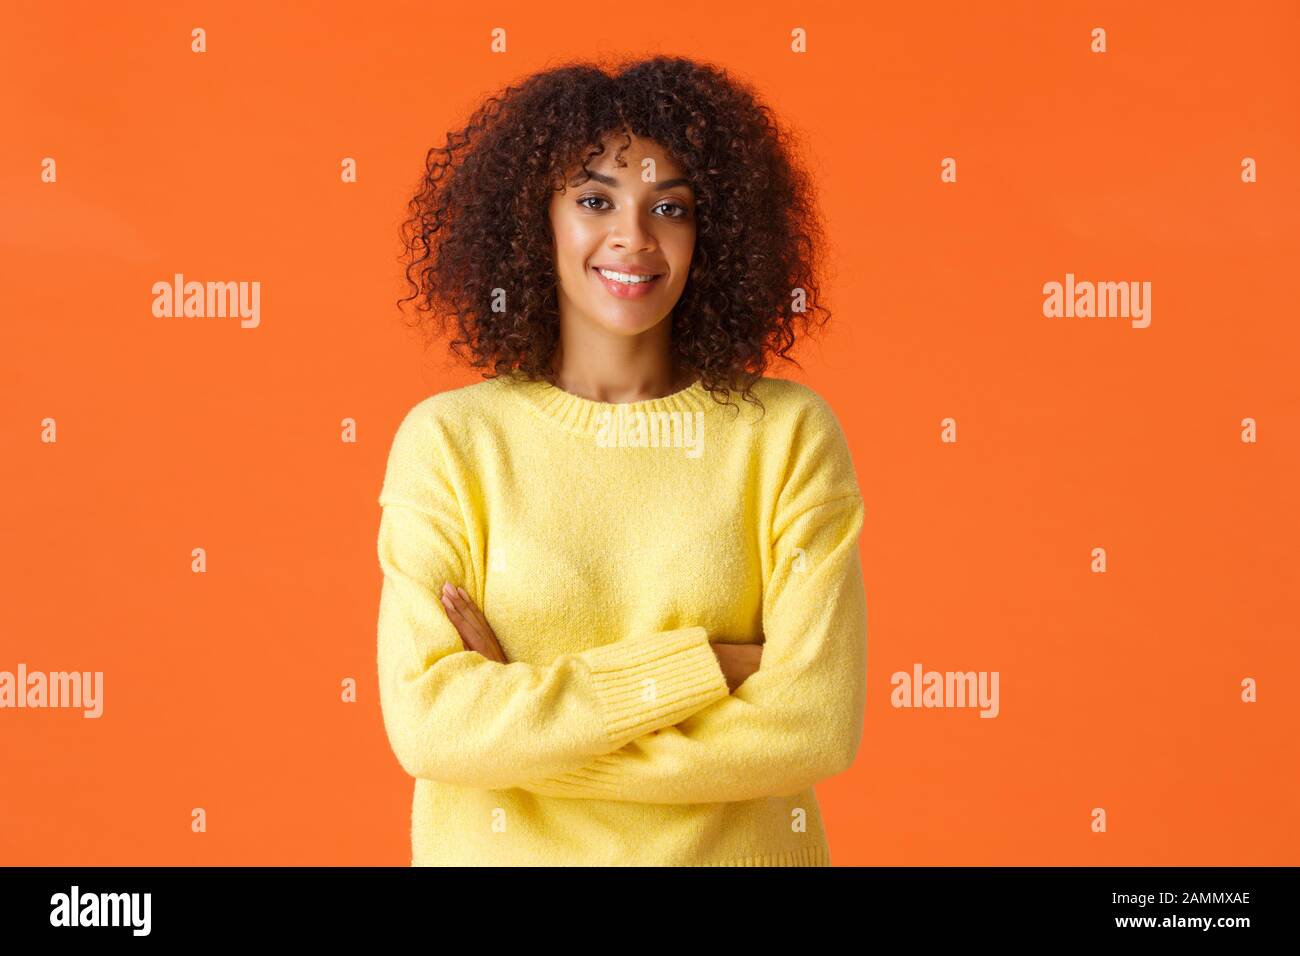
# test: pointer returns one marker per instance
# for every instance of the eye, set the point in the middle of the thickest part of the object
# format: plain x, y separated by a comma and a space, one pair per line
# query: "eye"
674, 205
682, 211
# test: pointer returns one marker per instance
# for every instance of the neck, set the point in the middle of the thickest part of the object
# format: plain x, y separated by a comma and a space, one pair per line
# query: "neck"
611, 368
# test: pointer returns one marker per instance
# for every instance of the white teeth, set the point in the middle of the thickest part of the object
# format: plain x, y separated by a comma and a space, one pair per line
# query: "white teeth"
624, 277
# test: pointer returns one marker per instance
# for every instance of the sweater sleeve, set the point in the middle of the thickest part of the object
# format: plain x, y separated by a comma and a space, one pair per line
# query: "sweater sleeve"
796, 720
453, 715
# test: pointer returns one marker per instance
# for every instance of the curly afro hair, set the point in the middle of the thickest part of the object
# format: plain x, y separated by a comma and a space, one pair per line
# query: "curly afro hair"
479, 220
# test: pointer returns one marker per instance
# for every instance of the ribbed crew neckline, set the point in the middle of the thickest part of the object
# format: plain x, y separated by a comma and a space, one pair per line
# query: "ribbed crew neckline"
584, 415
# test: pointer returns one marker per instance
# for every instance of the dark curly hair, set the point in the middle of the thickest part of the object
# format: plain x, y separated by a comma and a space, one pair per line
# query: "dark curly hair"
479, 219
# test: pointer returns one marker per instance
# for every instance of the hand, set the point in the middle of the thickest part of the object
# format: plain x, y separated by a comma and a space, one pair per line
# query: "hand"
471, 624
738, 661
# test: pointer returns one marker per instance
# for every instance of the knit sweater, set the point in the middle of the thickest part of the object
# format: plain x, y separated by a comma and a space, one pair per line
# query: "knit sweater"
607, 544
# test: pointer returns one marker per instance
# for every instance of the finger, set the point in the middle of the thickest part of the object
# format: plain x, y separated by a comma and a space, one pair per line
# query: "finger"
458, 621
466, 611
491, 646
471, 608
476, 615
464, 625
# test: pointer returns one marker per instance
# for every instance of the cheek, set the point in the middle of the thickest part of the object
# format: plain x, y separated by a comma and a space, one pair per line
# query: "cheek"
680, 254
681, 246
573, 245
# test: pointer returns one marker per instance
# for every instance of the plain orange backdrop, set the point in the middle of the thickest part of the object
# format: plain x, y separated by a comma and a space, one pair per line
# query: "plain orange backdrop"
1118, 690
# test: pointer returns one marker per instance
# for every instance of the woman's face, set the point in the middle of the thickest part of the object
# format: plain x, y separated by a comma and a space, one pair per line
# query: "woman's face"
633, 219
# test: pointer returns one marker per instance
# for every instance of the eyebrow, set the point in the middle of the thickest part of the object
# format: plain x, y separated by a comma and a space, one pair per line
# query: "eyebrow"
611, 181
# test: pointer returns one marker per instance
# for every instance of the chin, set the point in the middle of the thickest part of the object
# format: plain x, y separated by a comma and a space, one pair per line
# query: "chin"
629, 324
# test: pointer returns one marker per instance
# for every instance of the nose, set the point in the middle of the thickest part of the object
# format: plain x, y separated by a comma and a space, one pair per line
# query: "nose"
629, 231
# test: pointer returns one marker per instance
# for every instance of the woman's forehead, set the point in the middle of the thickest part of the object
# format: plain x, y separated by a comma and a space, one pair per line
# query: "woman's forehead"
624, 161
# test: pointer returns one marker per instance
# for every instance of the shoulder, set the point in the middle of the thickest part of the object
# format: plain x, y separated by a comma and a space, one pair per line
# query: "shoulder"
449, 414
441, 426
804, 443
427, 455
796, 408
453, 404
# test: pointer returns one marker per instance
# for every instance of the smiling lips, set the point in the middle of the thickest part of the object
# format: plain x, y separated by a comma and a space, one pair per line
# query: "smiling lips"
636, 289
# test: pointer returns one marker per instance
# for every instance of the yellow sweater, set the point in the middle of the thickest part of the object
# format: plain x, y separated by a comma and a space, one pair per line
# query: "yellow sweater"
606, 549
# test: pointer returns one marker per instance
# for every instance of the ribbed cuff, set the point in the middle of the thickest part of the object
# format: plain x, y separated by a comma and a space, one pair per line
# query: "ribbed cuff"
644, 683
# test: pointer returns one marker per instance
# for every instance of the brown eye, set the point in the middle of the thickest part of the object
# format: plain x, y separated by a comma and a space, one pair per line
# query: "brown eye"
673, 205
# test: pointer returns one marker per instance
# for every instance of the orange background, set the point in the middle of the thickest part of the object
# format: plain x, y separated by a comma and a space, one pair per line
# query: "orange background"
221, 690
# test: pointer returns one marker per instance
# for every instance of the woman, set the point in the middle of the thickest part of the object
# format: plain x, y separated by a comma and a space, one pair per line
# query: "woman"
676, 650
